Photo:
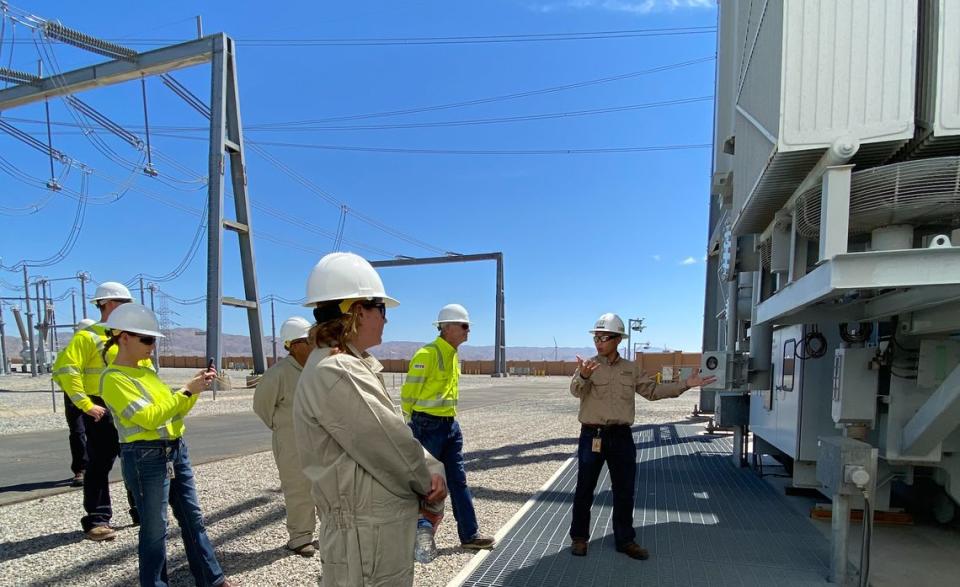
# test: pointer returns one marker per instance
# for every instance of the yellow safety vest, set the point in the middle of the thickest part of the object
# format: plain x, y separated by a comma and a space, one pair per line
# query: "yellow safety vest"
433, 381
143, 407
78, 367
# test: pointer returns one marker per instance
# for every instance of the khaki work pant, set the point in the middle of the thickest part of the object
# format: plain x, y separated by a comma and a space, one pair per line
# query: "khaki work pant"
368, 555
301, 510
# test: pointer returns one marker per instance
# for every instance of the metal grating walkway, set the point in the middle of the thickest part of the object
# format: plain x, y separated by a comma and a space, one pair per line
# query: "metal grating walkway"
704, 521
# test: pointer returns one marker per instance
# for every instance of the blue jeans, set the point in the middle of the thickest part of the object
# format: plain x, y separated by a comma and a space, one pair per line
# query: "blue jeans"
145, 473
444, 441
620, 453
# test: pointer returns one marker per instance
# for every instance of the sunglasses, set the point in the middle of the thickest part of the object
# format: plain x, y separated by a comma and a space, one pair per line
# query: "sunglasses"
147, 340
378, 305
465, 327
605, 337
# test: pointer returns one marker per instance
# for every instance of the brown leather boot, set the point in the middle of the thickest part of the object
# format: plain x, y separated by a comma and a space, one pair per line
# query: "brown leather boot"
634, 550
578, 547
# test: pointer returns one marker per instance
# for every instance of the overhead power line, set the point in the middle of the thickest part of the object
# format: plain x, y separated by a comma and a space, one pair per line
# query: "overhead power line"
450, 40
497, 98
576, 151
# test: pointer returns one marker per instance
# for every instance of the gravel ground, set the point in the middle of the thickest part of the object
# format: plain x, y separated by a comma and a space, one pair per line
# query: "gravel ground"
510, 452
26, 406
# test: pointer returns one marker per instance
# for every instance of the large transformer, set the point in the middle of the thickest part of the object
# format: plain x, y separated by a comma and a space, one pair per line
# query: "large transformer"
834, 245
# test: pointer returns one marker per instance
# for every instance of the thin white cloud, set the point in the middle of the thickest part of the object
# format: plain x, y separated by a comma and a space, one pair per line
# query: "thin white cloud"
639, 7
688, 261
656, 258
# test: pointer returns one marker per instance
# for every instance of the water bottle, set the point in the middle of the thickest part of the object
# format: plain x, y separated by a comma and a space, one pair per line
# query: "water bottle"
425, 547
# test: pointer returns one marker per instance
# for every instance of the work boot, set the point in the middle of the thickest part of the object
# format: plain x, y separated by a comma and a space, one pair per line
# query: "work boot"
634, 550
578, 547
478, 542
100, 533
77, 480
305, 550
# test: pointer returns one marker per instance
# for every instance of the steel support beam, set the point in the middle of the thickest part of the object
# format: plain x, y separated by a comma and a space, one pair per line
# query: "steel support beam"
500, 346
226, 143
226, 148
875, 271
890, 304
936, 419
112, 72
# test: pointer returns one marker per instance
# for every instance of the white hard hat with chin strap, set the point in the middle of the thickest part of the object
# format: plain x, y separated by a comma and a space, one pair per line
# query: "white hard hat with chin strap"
293, 329
452, 313
609, 323
343, 276
134, 318
110, 290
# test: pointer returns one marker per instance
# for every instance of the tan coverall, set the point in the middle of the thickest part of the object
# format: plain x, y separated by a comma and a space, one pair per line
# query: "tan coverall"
367, 470
273, 402
607, 397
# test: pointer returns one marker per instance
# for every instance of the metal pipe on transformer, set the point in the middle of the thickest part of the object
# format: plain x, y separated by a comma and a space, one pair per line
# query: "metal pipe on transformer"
33, 349
40, 322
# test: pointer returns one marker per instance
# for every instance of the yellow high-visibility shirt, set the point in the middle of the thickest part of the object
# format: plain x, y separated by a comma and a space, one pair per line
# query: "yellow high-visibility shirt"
78, 367
143, 407
433, 381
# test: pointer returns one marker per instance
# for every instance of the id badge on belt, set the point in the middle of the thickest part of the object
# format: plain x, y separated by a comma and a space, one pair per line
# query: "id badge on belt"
596, 444
170, 473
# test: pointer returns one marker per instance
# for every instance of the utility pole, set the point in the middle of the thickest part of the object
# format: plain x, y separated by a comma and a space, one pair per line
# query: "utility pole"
73, 303
4, 369
273, 331
156, 347
142, 300
633, 325
51, 313
33, 349
83, 293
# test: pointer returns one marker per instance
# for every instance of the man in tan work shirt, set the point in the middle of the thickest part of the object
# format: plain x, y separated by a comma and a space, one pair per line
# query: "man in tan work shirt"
606, 385
273, 402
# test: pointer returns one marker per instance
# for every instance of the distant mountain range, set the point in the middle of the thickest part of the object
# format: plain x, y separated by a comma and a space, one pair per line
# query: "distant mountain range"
191, 342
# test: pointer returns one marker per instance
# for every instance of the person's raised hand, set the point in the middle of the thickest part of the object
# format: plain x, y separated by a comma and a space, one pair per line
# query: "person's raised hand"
586, 368
696, 381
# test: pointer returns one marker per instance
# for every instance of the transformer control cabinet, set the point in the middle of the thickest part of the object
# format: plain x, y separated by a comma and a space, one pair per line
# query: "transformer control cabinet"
854, 386
716, 363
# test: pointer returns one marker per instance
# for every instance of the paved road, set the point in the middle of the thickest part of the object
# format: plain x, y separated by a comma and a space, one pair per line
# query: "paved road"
36, 464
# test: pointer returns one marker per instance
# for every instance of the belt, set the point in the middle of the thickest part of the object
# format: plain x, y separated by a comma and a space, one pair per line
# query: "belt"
605, 426
159, 443
427, 416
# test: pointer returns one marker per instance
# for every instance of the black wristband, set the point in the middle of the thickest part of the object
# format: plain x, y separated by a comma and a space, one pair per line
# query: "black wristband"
186, 392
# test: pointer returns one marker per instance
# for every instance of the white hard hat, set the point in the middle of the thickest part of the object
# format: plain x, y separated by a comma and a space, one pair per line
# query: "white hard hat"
452, 313
294, 328
609, 322
344, 276
111, 290
134, 318
85, 323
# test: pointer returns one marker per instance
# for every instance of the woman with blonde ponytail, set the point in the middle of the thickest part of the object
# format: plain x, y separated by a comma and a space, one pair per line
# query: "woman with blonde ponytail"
370, 476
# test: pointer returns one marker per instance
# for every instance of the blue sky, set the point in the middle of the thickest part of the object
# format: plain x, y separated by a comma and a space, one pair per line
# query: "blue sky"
582, 233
